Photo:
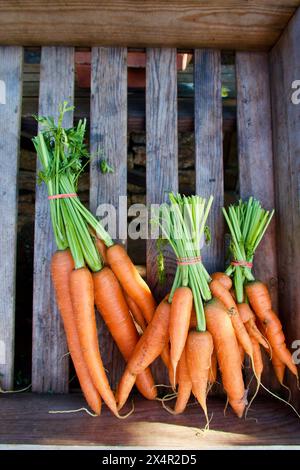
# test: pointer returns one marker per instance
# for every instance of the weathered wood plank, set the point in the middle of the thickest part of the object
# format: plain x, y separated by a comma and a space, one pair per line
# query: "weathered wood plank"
161, 149
209, 148
285, 68
234, 24
11, 62
109, 141
150, 426
256, 175
49, 368
161, 160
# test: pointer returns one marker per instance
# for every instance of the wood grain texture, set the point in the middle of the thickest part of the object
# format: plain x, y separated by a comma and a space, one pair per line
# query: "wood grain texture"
109, 140
161, 149
285, 68
161, 161
49, 368
148, 427
234, 24
209, 149
256, 175
11, 62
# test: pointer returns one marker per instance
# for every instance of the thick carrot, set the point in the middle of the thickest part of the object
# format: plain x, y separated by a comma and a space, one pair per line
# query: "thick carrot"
130, 280
213, 371
184, 385
223, 279
82, 295
112, 306
219, 291
228, 355
149, 347
260, 301
199, 348
180, 316
62, 265
248, 318
136, 312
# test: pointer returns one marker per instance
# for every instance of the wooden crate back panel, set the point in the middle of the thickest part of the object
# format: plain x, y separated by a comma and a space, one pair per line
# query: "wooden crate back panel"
109, 137
49, 363
11, 59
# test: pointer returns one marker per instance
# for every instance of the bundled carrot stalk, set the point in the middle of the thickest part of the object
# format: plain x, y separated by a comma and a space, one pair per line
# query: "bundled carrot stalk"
248, 222
63, 155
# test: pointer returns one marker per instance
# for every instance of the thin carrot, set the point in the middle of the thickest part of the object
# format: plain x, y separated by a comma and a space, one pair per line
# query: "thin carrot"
181, 309
279, 368
228, 355
149, 347
199, 348
184, 385
82, 295
223, 279
248, 318
219, 291
131, 281
136, 312
257, 359
101, 248
113, 308
213, 371
260, 301
62, 265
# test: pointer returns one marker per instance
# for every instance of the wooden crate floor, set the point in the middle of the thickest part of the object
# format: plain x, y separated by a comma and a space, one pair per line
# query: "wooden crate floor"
25, 421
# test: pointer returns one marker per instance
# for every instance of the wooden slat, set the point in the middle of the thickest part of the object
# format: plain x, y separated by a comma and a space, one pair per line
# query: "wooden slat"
161, 148
271, 424
49, 368
109, 141
209, 148
161, 159
285, 68
11, 59
234, 24
256, 176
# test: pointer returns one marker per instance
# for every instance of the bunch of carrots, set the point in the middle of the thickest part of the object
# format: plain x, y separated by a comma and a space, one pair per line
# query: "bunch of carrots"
202, 324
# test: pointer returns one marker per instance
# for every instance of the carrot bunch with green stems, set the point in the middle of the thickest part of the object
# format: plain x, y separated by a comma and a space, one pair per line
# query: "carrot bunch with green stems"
62, 154
247, 222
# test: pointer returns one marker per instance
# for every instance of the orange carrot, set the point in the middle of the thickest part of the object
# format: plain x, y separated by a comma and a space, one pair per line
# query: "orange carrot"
223, 279
228, 355
219, 291
260, 301
184, 385
181, 309
130, 280
62, 265
136, 312
248, 318
82, 295
213, 371
279, 368
257, 359
149, 347
112, 306
101, 248
199, 348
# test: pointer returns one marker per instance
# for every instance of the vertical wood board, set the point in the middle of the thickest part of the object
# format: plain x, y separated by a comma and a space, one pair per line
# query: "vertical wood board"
109, 142
285, 69
209, 149
49, 367
11, 62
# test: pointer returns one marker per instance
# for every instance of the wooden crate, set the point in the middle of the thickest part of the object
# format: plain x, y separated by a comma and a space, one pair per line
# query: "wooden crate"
269, 164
